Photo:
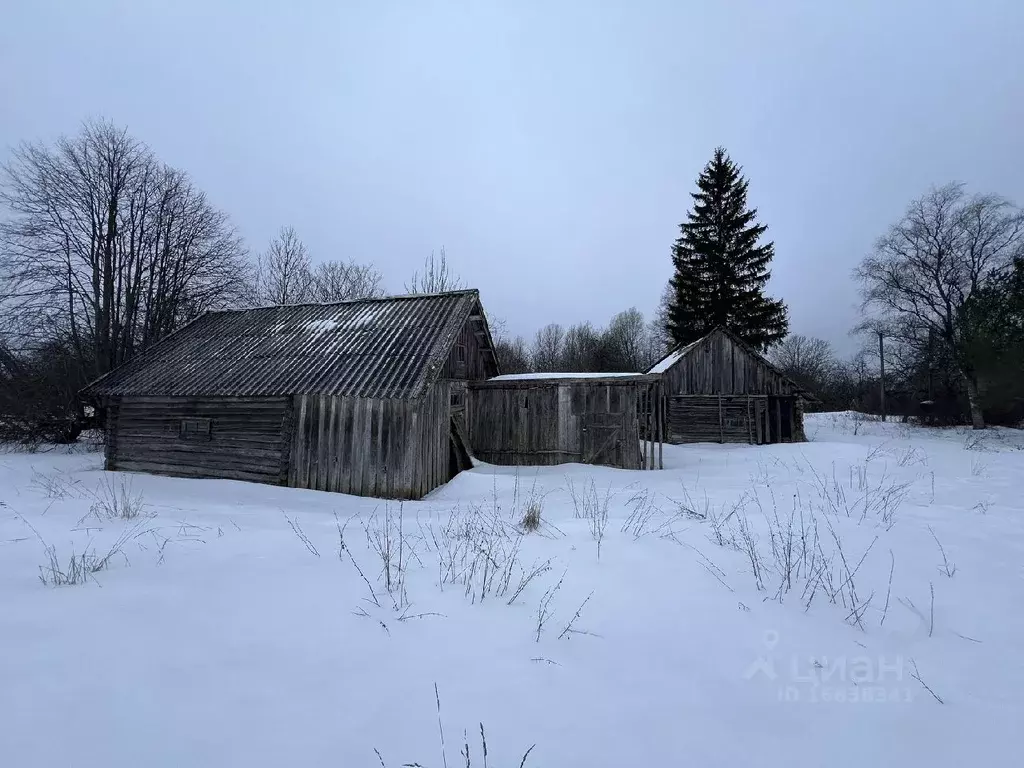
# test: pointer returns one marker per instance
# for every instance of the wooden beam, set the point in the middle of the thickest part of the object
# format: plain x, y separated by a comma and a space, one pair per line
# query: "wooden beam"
653, 425
660, 399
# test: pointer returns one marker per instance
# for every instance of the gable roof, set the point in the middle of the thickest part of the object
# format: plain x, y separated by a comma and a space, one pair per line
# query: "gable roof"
680, 352
385, 348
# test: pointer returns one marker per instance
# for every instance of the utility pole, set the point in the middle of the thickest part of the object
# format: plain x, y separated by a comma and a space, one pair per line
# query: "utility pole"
881, 371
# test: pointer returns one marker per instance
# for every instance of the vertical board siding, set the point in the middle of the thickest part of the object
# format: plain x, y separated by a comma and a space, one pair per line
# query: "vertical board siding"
479, 364
371, 447
720, 366
436, 438
557, 422
246, 439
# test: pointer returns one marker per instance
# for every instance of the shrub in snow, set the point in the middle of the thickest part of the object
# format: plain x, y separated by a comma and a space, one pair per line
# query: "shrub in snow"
115, 499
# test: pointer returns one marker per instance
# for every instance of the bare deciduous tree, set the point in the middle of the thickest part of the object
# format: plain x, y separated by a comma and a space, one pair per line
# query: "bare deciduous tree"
436, 277
931, 263
512, 354
627, 345
807, 360
548, 347
345, 281
661, 338
581, 348
284, 273
108, 248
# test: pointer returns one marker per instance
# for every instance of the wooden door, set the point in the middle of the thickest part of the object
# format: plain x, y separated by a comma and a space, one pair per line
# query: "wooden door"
602, 439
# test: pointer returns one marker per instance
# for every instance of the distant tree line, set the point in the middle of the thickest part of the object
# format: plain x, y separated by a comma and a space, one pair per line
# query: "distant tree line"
105, 250
627, 344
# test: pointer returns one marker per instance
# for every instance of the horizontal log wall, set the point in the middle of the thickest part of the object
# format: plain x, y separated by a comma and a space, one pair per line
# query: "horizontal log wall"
734, 419
556, 422
711, 419
245, 440
394, 449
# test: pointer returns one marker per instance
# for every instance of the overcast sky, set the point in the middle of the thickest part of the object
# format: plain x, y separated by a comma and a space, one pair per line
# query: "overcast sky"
548, 146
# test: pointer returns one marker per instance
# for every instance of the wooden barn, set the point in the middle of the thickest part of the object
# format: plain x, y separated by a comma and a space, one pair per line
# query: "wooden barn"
364, 397
720, 390
556, 418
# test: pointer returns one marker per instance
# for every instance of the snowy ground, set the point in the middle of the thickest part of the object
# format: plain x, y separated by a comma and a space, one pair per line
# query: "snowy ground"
850, 601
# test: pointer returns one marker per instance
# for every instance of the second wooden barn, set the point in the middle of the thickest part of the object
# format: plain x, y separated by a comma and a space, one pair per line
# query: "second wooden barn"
557, 418
720, 390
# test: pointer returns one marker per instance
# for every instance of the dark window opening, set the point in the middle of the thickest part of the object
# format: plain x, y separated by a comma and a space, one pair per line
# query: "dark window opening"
460, 353
195, 429
458, 398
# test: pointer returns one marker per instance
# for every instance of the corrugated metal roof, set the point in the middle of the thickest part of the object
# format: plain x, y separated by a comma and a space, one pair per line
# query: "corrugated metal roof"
566, 376
391, 347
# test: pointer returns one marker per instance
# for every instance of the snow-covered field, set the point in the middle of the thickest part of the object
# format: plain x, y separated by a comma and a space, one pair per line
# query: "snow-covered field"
854, 600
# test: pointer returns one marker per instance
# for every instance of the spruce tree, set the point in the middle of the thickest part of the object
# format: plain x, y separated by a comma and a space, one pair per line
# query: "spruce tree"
720, 266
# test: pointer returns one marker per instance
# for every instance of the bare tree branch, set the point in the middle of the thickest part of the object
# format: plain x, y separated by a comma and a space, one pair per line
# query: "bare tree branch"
926, 269
436, 277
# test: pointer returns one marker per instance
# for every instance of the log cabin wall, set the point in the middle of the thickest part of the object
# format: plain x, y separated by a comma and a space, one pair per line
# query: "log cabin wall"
756, 419
231, 438
712, 419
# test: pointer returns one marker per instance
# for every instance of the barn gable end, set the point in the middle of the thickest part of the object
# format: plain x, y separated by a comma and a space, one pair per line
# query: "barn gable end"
721, 390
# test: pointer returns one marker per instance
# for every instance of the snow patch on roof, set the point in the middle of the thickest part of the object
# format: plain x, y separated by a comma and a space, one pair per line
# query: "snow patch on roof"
320, 326
672, 358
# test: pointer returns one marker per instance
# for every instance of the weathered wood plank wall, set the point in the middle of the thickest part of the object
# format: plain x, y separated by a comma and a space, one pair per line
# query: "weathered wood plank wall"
434, 438
392, 449
710, 419
351, 445
467, 359
734, 419
719, 366
545, 422
244, 442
